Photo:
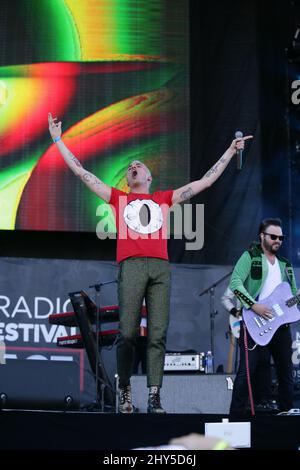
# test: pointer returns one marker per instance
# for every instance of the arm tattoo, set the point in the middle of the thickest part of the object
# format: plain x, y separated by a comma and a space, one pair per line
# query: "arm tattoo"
187, 194
214, 169
97, 181
86, 177
90, 178
74, 159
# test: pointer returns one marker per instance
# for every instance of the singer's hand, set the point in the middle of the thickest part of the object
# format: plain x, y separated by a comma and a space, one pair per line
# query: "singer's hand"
54, 127
239, 144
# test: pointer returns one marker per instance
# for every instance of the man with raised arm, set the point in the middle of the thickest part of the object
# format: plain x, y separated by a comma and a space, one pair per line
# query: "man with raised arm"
143, 258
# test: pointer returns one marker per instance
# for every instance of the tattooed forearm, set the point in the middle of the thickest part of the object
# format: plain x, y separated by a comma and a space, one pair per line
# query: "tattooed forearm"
187, 194
214, 169
196, 187
92, 182
90, 178
74, 159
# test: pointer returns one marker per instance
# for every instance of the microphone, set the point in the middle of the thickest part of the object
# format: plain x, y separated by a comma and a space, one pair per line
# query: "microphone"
239, 153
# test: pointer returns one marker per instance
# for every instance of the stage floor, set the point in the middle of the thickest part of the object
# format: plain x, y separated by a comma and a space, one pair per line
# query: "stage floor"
84, 431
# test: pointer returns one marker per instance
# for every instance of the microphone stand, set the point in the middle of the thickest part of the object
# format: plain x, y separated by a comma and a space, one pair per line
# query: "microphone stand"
97, 288
213, 312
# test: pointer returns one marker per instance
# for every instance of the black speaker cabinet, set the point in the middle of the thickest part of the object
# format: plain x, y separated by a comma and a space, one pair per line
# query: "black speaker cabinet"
37, 384
188, 393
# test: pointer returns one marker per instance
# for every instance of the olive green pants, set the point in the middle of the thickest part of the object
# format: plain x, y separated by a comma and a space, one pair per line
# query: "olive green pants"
141, 278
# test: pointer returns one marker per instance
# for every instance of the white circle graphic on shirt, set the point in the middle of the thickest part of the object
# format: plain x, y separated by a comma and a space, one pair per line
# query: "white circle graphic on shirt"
132, 216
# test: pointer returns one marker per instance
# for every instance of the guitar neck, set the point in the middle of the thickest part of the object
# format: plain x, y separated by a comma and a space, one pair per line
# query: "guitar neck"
293, 300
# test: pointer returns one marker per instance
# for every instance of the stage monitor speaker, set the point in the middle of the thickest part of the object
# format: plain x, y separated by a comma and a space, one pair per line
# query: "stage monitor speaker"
188, 393
39, 384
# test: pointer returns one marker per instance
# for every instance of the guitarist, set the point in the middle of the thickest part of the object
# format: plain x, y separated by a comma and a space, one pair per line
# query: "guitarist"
256, 274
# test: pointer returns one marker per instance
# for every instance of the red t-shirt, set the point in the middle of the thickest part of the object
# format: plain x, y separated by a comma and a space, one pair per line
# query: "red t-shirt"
141, 221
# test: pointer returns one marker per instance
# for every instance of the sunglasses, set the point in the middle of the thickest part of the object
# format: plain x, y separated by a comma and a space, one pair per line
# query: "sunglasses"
274, 237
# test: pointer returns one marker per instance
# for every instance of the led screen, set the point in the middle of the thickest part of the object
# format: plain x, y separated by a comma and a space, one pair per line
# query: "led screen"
115, 72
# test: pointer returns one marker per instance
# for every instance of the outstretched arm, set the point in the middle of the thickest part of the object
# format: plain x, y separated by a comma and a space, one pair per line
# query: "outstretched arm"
91, 181
191, 189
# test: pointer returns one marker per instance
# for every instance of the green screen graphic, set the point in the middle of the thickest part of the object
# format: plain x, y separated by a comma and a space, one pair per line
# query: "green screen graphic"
115, 72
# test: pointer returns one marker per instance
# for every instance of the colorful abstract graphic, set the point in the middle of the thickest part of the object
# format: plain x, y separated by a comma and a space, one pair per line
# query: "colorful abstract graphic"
115, 72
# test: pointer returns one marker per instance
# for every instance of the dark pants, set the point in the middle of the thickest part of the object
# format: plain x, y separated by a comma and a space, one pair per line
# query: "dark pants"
262, 379
281, 349
141, 278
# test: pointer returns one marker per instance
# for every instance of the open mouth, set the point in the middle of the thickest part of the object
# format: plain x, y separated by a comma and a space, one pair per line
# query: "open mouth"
134, 173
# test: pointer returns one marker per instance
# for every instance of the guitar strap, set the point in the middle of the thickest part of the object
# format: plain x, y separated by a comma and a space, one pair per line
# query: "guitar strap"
256, 262
289, 274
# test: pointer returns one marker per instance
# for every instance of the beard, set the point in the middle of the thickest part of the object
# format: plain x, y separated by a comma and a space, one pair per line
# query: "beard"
271, 248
